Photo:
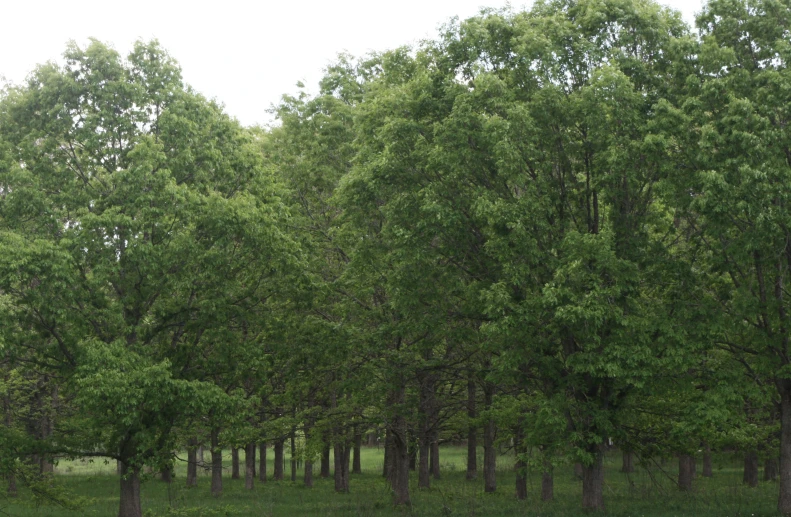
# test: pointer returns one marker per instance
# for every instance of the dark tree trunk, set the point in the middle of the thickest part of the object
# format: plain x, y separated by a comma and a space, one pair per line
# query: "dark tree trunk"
435, 457
388, 468
166, 474
308, 475
201, 461
547, 482
520, 466
413, 452
423, 471
770, 469
578, 471
627, 462
12, 489
357, 463
685, 472
750, 477
784, 500
262, 462
192, 462
400, 448
472, 433
593, 483
279, 443
234, 463
293, 457
130, 493
325, 461
707, 470
489, 452
249, 466
216, 464
341, 467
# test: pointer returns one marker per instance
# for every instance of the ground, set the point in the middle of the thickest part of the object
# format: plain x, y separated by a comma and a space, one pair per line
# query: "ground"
642, 494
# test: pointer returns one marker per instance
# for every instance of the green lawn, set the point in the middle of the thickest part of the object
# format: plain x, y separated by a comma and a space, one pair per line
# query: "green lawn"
640, 494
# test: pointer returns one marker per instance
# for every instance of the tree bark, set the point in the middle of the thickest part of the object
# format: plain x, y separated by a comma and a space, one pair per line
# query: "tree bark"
166, 474
293, 456
262, 462
435, 471
472, 433
784, 499
325, 461
489, 452
685, 473
234, 463
707, 470
341, 467
12, 489
547, 482
770, 469
192, 462
520, 466
627, 462
750, 477
129, 505
279, 443
308, 474
388, 468
423, 477
249, 466
216, 464
357, 463
593, 483
400, 466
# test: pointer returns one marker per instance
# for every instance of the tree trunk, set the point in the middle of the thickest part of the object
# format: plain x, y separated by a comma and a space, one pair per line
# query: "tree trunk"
12, 489
129, 505
685, 474
520, 466
489, 452
770, 469
400, 464
578, 471
593, 483
166, 474
293, 457
192, 462
356, 463
388, 468
216, 464
308, 475
201, 461
784, 500
341, 467
472, 433
435, 457
234, 463
325, 461
547, 482
279, 459
750, 477
423, 471
413, 452
707, 470
262, 462
627, 463
249, 466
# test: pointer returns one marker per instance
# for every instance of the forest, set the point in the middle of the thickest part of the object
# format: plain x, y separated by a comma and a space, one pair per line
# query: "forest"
550, 235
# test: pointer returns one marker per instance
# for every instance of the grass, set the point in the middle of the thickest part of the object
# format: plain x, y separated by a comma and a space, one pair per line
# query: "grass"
646, 493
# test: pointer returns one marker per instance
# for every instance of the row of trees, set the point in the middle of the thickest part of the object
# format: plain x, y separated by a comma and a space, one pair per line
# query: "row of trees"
552, 229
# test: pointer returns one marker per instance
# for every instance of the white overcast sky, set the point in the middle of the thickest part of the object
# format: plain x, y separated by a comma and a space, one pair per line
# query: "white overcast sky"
246, 54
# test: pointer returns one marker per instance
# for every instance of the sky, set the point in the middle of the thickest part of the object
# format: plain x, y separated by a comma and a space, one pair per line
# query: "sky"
245, 54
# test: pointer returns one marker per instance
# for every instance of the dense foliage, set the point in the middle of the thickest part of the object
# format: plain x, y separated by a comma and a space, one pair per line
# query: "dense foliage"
553, 230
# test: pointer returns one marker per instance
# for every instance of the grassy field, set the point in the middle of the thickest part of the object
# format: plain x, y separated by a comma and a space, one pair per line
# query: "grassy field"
642, 494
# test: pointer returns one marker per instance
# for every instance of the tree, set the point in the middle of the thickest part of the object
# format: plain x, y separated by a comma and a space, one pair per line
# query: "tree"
137, 222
